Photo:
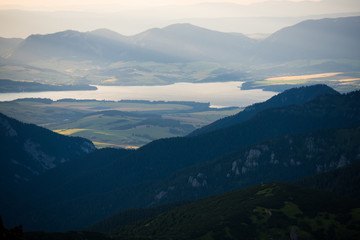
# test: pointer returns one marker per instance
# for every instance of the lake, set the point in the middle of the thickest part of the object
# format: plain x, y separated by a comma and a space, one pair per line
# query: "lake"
218, 94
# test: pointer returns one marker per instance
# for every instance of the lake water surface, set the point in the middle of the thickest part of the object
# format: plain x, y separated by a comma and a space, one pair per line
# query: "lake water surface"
217, 94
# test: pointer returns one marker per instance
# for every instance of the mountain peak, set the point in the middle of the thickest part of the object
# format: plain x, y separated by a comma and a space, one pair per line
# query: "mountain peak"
58, 35
180, 26
108, 34
303, 94
314, 39
188, 28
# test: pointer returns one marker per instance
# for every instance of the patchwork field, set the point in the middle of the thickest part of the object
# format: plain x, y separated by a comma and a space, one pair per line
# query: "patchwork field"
126, 124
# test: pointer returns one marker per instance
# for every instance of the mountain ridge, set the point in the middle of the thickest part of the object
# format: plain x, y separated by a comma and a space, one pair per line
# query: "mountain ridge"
342, 181
272, 210
281, 159
311, 39
32, 143
28, 151
288, 97
75, 45
314, 39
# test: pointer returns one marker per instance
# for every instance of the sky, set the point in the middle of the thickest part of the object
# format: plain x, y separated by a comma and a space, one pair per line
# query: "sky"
74, 5
21, 18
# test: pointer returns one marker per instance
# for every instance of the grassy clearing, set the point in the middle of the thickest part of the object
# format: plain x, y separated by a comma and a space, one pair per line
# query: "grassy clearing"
291, 210
69, 131
267, 192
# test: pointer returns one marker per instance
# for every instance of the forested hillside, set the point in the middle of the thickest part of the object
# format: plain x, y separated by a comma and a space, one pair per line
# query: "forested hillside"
282, 144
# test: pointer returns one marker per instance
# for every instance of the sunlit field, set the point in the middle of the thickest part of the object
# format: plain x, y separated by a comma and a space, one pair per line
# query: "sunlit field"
341, 81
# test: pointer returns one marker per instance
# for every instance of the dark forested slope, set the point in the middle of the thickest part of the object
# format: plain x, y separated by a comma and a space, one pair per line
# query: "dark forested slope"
271, 211
28, 150
288, 97
126, 178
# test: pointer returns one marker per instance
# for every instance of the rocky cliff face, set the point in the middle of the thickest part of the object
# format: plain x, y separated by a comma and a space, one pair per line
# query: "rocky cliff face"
28, 150
286, 158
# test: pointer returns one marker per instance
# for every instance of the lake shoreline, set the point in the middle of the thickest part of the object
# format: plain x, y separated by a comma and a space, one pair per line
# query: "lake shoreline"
218, 94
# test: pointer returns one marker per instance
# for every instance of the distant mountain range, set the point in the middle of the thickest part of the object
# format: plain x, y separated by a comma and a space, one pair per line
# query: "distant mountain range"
180, 42
189, 42
73, 45
186, 53
313, 39
298, 139
6, 44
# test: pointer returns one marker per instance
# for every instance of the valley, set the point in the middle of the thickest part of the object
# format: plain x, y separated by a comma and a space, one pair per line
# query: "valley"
283, 143
182, 132
191, 54
127, 124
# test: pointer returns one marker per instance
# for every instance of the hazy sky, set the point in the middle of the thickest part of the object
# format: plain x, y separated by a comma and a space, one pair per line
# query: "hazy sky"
73, 5
130, 17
